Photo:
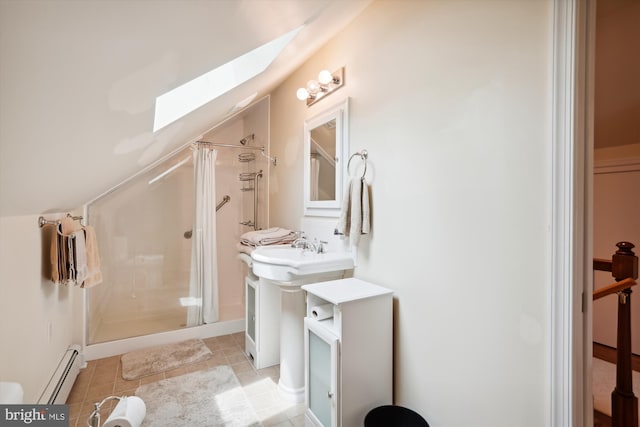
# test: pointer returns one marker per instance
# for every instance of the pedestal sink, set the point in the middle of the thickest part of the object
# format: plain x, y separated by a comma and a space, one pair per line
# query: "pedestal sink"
289, 268
284, 263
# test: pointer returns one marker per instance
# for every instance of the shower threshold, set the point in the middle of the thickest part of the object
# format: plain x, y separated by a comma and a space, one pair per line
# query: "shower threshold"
112, 348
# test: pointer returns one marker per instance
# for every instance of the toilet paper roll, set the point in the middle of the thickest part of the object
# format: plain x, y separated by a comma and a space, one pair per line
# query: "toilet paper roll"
129, 412
11, 393
321, 312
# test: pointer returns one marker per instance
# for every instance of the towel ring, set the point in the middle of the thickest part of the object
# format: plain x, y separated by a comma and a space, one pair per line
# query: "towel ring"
363, 155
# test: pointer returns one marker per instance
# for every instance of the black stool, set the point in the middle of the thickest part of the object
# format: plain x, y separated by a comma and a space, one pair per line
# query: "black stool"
394, 416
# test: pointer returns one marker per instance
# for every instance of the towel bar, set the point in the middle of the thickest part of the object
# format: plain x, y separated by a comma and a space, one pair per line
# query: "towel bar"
42, 221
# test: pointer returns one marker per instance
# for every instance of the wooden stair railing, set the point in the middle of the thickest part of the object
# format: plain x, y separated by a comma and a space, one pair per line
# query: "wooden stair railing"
624, 269
614, 288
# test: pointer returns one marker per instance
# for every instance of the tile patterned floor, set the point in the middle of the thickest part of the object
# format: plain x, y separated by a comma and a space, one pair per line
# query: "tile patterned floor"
102, 378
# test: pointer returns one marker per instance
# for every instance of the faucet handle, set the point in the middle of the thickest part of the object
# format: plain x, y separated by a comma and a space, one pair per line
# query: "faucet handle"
320, 246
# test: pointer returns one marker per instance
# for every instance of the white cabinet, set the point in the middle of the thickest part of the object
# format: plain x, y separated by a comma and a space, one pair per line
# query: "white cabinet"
348, 335
262, 329
321, 374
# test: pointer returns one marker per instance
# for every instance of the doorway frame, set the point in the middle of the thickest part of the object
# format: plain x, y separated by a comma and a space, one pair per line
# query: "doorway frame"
572, 213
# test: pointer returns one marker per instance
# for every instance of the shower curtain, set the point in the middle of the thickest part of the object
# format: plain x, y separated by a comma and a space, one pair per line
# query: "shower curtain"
315, 175
203, 282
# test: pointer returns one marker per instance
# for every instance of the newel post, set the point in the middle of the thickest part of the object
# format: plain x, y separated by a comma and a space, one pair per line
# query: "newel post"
624, 405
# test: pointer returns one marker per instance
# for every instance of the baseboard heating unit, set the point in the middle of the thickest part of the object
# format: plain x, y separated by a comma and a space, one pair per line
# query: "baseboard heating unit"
57, 391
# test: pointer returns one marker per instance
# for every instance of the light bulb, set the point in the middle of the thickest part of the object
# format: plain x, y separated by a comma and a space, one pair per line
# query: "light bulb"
302, 94
325, 77
313, 87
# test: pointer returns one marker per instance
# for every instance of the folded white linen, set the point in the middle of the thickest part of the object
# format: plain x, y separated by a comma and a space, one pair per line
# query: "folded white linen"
244, 249
270, 236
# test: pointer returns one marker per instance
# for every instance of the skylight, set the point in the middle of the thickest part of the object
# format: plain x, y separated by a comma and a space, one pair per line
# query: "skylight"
182, 100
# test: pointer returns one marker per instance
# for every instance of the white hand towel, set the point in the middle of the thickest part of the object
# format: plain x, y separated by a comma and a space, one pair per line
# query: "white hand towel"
355, 228
80, 257
355, 216
345, 214
366, 212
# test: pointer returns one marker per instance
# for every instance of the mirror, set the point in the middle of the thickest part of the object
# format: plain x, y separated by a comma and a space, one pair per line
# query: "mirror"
325, 148
323, 161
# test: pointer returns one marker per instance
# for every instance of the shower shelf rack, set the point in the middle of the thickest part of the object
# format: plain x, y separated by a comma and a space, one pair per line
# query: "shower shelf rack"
246, 157
248, 181
248, 177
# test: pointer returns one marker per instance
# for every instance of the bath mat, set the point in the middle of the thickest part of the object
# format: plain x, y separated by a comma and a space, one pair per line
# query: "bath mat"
205, 398
604, 381
150, 361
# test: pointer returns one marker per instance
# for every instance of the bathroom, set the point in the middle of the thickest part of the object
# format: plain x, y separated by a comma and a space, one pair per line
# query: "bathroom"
452, 101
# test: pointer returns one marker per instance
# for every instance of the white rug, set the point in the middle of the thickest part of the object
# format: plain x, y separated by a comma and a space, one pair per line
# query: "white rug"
200, 399
150, 361
604, 381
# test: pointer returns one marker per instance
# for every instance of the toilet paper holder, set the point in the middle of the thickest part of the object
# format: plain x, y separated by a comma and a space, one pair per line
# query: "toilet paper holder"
94, 418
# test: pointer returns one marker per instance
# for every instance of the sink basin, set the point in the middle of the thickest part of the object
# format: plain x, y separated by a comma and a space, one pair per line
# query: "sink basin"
285, 263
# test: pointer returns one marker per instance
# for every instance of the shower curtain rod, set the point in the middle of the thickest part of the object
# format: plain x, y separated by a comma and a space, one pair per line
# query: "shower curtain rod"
274, 160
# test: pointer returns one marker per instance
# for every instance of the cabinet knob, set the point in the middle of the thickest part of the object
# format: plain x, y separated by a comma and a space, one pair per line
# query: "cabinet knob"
329, 395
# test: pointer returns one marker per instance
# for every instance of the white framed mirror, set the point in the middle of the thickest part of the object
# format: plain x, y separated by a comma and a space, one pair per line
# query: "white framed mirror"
326, 148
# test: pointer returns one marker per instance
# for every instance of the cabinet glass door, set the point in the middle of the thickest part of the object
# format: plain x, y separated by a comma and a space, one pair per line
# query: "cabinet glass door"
251, 312
321, 373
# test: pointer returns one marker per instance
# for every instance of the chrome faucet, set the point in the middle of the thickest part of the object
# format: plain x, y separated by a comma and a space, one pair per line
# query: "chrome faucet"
316, 246
300, 242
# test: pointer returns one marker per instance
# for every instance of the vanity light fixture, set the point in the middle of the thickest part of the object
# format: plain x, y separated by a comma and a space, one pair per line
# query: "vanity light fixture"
317, 89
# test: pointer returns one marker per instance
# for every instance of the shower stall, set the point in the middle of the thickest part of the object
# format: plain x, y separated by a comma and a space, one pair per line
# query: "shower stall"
145, 231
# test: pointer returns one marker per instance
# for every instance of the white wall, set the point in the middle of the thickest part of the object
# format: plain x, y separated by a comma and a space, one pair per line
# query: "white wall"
38, 320
452, 99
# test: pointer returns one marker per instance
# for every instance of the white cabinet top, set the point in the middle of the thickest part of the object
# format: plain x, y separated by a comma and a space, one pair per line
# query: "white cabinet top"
345, 290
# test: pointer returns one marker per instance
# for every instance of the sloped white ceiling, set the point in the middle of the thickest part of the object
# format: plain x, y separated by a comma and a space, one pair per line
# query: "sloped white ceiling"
78, 81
